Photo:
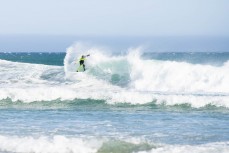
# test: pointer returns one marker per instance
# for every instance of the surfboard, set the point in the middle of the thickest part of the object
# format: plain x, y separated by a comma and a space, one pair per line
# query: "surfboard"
80, 68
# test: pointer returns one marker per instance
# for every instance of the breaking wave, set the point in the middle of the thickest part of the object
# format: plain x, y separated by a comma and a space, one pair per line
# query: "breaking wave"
116, 79
63, 144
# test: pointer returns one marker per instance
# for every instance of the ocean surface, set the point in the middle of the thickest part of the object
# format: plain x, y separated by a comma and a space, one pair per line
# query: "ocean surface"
132, 102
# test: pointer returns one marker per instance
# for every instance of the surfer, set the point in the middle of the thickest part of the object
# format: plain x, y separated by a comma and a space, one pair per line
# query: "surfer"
81, 61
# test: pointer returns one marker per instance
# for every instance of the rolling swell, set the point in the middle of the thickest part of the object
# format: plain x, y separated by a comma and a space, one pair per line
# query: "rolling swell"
101, 105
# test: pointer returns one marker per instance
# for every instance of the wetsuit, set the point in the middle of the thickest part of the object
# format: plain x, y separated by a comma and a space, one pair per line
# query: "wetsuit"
82, 62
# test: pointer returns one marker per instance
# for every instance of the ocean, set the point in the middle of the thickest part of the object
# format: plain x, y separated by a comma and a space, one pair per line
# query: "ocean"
127, 102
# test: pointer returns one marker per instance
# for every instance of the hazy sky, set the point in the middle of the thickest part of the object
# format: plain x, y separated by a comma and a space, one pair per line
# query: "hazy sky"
115, 17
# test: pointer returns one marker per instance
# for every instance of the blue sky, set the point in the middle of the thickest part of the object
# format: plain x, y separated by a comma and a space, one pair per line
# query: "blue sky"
113, 18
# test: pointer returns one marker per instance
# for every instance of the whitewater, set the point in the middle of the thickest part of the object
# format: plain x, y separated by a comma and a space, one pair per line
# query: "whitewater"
116, 79
123, 102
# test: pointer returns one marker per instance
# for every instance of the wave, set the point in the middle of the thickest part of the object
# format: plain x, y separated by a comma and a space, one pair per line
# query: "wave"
63, 144
151, 75
91, 104
221, 147
116, 79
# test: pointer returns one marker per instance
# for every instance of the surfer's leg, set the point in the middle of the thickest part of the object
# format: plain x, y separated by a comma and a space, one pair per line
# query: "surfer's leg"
79, 67
83, 67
